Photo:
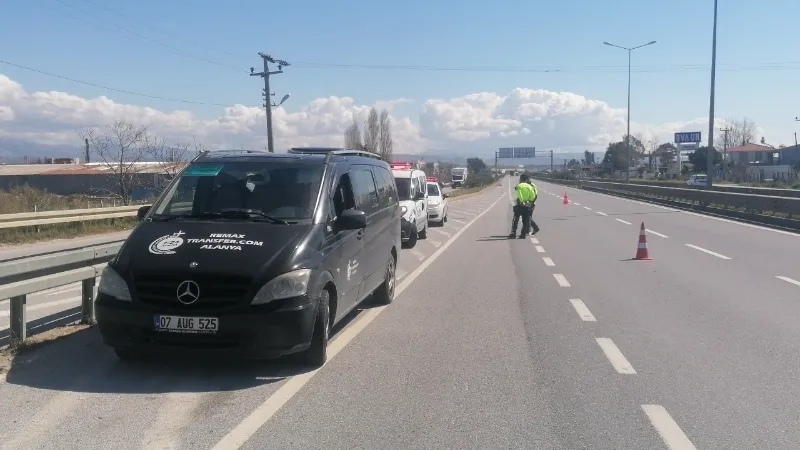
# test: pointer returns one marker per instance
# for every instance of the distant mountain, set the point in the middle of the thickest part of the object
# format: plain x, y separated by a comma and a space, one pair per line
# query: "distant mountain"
14, 152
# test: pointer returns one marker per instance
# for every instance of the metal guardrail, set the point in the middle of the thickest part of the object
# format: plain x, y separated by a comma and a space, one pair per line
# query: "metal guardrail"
776, 192
21, 277
779, 211
19, 220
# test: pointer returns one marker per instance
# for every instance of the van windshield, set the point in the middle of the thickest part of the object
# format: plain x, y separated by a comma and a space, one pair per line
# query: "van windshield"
403, 188
260, 190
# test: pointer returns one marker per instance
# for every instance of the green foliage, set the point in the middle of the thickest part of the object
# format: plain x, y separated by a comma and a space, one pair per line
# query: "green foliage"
699, 159
616, 157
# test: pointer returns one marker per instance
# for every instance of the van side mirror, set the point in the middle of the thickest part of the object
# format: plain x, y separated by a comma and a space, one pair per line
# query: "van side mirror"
142, 212
351, 219
445, 195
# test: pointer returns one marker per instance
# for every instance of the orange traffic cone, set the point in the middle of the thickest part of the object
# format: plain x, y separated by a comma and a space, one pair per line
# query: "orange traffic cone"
566, 199
642, 252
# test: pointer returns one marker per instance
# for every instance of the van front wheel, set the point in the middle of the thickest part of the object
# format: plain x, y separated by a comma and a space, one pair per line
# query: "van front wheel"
385, 293
317, 353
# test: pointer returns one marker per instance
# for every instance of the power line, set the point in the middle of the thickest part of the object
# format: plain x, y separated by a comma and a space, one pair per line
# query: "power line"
156, 97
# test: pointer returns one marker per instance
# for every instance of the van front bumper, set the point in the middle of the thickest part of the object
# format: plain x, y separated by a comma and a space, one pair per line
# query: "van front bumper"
264, 331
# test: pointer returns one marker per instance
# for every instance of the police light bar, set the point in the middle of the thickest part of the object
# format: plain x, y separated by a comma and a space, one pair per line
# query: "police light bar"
401, 166
431, 179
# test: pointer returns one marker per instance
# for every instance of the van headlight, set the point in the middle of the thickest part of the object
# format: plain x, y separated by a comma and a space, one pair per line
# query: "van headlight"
403, 210
113, 285
290, 284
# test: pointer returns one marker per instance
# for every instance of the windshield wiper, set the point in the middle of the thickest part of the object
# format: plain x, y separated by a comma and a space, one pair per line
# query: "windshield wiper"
226, 213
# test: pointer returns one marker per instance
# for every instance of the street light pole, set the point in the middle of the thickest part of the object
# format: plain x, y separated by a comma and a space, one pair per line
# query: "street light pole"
710, 152
628, 134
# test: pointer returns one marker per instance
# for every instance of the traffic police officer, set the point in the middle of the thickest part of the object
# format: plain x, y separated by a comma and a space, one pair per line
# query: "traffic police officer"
526, 200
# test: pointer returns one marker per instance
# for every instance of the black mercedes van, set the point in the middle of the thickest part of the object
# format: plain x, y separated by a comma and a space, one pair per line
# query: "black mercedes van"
254, 254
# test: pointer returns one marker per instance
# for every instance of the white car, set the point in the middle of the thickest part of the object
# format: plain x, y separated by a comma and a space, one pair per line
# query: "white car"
697, 180
413, 197
437, 204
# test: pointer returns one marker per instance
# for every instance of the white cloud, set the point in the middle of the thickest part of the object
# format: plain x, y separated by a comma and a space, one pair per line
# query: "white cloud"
472, 124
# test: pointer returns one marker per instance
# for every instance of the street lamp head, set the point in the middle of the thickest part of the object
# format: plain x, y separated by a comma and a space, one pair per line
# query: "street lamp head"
608, 43
283, 100
651, 42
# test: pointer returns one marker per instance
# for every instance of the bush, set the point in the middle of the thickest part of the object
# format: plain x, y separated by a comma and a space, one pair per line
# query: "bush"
27, 199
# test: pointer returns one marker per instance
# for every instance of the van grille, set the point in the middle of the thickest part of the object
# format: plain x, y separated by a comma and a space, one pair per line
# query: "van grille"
160, 289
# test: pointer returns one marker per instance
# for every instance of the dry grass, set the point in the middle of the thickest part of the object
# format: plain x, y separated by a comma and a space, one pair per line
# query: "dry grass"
25, 199
8, 354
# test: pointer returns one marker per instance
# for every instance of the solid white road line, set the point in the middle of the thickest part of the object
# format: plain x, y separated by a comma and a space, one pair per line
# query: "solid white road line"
656, 233
670, 432
458, 220
540, 249
442, 232
582, 310
399, 275
434, 242
534, 241
252, 423
63, 290
620, 220
617, 359
587, 208
548, 262
417, 254
562, 281
707, 251
788, 280
47, 305
601, 213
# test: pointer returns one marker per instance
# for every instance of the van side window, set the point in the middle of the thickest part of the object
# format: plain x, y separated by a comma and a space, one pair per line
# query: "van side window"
365, 190
343, 195
391, 186
383, 188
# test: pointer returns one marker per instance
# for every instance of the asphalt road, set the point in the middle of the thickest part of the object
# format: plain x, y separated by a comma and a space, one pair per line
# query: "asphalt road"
556, 342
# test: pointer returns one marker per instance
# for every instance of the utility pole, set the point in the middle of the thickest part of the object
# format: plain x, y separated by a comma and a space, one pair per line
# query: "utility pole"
725, 152
267, 93
551, 163
710, 153
86, 143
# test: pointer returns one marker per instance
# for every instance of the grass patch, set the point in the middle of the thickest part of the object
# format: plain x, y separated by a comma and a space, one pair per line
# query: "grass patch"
25, 235
466, 191
15, 349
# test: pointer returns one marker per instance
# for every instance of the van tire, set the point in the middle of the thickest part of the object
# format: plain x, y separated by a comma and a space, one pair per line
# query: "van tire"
424, 233
385, 292
317, 353
127, 354
412, 238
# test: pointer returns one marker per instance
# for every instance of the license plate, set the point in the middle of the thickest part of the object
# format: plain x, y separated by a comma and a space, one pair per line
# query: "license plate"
181, 324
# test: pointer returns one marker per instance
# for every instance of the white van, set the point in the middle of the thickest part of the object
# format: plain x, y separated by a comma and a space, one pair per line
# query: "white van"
412, 192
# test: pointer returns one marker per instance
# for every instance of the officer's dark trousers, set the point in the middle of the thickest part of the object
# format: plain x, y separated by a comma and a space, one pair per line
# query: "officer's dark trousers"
525, 213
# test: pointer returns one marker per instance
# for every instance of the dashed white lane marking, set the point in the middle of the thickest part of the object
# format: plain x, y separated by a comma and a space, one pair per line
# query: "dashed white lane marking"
788, 280
601, 213
625, 222
656, 233
548, 262
253, 422
582, 310
459, 221
417, 254
617, 359
576, 203
562, 280
442, 232
434, 242
540, 249
587, 208
667, 428
400, 274
47, 305
707, 251
534, 241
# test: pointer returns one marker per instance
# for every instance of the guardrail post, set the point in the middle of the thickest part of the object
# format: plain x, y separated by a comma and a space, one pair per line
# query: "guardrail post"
19, 321
87, 301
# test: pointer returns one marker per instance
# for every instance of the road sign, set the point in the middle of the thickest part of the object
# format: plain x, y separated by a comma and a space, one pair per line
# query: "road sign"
505, 152
691, 136
524, 152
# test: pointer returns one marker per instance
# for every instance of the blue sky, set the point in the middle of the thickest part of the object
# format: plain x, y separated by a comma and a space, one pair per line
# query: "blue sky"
758, 60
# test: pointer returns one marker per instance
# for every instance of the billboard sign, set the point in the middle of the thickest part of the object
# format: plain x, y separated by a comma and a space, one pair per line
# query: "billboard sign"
516, 152
505, 152
689, 137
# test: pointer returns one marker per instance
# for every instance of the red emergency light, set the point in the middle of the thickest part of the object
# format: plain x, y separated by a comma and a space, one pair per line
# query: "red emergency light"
431, 179
401, 166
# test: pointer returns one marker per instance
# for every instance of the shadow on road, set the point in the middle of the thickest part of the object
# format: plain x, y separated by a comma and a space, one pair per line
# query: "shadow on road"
493, 238
81, 362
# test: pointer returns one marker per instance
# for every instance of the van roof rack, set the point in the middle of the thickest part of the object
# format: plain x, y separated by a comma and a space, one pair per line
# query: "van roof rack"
332, 151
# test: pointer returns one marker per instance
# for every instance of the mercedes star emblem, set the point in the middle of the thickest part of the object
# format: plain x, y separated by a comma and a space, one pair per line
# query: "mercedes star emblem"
193, 264
188, 292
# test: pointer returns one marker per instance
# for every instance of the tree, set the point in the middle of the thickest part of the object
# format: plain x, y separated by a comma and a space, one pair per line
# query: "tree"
588, 158
372, 132
386, 145
699, 158
476, 165
574, 164
352, 137
740, 132
170, 157
119, 148
666, 153
616, 156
